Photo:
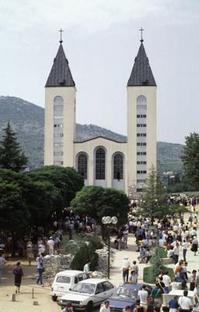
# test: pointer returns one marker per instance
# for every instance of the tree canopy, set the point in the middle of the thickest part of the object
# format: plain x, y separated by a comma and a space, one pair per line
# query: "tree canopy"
14, 213
191, 160
51, 189
11, 154
97, 202
30, 198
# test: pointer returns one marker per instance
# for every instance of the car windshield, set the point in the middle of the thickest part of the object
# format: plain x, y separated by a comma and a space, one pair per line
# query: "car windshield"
63, 279
126, 292
84, 288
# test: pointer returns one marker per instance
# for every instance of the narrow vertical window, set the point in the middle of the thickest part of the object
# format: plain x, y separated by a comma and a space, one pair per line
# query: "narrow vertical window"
82, 165
58, 106
100, 164
118, 167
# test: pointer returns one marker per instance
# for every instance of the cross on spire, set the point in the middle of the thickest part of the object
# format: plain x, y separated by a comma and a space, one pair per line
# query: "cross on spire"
61, 31
141, 34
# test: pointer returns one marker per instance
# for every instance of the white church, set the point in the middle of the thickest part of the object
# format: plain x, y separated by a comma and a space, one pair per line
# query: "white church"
102, 161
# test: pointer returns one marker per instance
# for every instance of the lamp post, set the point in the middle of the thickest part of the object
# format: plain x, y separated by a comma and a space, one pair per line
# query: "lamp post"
107, 221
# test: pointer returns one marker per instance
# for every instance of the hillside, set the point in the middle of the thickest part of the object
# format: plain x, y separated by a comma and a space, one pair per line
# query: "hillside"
27, 120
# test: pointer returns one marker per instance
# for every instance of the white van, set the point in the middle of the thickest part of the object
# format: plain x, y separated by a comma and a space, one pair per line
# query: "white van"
65, 280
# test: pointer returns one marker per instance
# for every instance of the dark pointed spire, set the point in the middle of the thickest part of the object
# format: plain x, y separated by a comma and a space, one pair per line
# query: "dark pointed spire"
60, 74
141, 74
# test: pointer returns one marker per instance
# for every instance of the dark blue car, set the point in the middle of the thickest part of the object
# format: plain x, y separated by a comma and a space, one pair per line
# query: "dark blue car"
126, 295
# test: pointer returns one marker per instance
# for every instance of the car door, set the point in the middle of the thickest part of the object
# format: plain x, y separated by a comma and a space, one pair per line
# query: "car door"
108, 289
99, 294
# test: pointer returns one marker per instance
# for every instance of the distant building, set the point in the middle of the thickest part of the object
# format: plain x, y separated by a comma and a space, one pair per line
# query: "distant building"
100, 160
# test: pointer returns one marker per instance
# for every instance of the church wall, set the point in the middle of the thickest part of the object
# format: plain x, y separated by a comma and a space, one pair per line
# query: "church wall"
111, 148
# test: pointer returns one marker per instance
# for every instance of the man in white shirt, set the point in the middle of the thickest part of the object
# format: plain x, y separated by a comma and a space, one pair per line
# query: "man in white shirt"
167, 282
105, 307
125, 269
185, 245
143, 296
50, 244
185, 303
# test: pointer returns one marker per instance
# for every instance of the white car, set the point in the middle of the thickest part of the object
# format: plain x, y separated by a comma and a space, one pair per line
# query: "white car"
179, 293
66, 280
88, 294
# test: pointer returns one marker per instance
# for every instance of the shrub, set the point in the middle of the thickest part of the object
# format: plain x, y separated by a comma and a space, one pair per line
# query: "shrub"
80, 258
86, 253
149, 274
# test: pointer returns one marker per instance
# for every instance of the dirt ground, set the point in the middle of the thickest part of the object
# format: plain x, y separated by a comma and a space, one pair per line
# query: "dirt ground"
25, 300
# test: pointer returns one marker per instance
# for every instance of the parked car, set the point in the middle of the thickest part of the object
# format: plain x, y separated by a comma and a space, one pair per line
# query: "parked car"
65, 280
126, 295
88, 294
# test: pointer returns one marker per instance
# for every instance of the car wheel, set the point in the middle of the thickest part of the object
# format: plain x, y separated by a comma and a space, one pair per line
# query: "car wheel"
89, 306
54, 298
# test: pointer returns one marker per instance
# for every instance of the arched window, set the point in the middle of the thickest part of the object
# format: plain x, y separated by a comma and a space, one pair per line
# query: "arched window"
100, 164
82, 165
141, 102
118, 167
58, 106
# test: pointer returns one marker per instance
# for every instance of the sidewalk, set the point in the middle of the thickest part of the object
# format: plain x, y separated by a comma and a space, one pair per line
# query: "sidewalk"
116, 272
24, 301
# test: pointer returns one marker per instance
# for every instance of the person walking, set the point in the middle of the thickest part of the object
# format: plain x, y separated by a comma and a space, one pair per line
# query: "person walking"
29, 252
143, 296
193, 280
2, 265
40, 269
125, 269
51, 244
185, 302
135, 268
18, 273
167, 282
176, 252
185, 245
194, 246
173, 304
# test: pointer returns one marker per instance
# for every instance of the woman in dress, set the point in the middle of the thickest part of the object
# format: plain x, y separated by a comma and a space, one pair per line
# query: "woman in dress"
18, 273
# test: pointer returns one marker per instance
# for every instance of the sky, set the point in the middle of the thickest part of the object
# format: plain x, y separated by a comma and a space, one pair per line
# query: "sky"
101, 40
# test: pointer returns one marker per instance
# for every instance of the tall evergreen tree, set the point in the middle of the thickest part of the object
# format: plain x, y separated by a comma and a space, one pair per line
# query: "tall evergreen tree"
190, 160
154, 198
11, 154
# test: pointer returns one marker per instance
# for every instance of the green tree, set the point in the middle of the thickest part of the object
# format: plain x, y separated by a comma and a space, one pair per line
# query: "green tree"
154, 198
14, 214
97, 202
190, 160
51, 189
11, 155
40, 198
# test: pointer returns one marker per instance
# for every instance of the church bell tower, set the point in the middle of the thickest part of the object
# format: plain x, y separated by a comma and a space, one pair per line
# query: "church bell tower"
141, 124
60, 96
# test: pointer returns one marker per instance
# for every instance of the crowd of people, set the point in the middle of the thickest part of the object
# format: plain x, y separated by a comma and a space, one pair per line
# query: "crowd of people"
176, 235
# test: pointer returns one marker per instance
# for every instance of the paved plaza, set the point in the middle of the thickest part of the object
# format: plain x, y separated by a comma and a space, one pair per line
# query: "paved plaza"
24, 301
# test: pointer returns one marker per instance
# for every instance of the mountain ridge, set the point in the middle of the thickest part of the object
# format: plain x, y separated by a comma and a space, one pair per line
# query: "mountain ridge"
27, 120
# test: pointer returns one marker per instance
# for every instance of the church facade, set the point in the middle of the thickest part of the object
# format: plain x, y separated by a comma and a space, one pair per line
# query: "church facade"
102, 161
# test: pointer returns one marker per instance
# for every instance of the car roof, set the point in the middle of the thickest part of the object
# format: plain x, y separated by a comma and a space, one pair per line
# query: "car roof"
69, 273
94, 280
132, 286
